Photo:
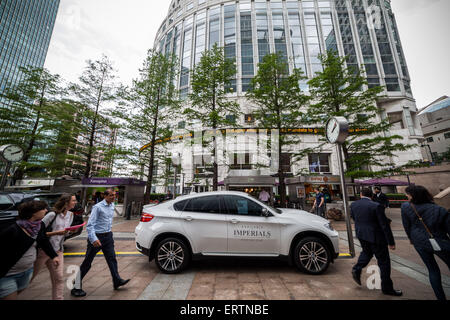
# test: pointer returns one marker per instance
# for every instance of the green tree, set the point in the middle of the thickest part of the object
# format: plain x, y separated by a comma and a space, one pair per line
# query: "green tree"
210, 104
150, 106
95, 90
279, 99
342, 91
31, 119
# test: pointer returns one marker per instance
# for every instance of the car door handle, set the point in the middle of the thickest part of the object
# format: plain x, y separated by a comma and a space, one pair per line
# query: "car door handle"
189, 219
234, 221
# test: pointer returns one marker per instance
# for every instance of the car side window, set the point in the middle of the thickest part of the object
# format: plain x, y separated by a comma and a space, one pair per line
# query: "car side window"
242, 206
179, 206
209, 204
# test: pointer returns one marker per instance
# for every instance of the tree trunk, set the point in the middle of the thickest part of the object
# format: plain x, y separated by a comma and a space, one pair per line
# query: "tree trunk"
148, 189
215, 165
21, 171
93, 131
281, 177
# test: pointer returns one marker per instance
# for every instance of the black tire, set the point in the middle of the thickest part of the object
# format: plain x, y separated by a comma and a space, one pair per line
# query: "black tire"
312, 256
172, 256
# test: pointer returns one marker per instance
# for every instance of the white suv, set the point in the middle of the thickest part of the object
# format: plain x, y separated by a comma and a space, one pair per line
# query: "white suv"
233, 224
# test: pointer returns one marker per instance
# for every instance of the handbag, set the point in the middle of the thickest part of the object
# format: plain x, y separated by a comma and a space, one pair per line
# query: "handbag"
433, 241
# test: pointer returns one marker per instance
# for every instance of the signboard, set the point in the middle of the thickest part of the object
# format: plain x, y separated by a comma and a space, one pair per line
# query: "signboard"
113, 181
301, 193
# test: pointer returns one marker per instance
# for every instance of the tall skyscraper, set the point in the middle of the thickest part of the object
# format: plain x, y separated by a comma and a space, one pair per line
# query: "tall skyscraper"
363, 30
26, 27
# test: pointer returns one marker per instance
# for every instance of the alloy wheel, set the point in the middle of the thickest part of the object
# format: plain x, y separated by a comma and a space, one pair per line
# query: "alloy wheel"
313, 256
171, 256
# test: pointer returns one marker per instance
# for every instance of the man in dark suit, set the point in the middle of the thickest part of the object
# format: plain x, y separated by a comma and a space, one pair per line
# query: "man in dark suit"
380, 197
375, 235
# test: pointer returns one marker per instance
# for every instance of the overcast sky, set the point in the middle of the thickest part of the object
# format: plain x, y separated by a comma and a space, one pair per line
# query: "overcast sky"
125, 29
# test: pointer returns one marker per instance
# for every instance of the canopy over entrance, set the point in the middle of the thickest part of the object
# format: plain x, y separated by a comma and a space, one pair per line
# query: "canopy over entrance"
382, 182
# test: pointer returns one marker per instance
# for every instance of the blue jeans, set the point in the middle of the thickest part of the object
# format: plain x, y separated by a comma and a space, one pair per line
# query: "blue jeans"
15, 283
433, 269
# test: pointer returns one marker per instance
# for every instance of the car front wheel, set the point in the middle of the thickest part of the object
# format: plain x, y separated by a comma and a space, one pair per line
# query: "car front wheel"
172, 256
311, 256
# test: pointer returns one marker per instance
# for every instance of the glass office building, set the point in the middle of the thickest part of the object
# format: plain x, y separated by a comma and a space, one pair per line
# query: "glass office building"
365, 31
26, 27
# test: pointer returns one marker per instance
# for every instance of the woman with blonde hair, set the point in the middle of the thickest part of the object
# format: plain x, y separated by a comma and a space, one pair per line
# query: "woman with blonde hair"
56, 223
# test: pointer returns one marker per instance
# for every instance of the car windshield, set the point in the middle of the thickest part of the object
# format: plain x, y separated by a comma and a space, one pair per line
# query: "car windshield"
5, 202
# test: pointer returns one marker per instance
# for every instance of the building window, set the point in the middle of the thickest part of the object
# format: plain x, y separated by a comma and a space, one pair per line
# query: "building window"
249, 118
447, 135
240, 161
430, 139
286, 162
409, 121
231, 118
319, 163
396, 120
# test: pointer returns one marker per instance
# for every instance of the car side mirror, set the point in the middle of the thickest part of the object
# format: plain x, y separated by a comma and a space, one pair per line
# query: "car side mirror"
266, 212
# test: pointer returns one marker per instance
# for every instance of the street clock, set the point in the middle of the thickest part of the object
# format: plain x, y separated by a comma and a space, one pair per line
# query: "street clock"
12, 153
337, 130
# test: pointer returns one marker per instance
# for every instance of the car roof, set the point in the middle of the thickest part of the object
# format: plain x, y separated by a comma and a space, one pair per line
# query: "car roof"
213, 193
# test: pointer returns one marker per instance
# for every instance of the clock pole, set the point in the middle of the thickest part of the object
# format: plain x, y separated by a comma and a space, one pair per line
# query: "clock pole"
5, 176
341, 123
351, 244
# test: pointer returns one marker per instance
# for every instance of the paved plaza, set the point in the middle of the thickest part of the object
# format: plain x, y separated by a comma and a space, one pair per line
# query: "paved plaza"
230, 279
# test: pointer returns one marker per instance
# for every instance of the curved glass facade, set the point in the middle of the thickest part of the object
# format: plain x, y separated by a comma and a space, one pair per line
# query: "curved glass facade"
363, 30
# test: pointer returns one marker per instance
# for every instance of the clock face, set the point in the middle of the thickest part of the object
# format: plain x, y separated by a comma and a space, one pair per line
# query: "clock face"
333, 130
13, 154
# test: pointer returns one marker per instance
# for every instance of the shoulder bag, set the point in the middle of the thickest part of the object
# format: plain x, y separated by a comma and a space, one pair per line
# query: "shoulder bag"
433, 241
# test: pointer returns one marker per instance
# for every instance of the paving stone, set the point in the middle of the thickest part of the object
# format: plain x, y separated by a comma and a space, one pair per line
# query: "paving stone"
226, 294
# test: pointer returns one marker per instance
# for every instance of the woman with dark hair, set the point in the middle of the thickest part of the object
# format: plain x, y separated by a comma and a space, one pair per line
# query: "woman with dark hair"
18, 249
56, 221
423, 220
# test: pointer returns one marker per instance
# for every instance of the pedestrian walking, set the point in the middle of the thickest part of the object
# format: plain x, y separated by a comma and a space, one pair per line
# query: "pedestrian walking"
264, 196
319, 203
56, 223
423, 220
100, 237
375, 235
380, 197
18, 244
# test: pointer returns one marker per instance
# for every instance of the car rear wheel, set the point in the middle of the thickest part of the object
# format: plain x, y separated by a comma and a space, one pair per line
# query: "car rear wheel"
172, 256
312, 256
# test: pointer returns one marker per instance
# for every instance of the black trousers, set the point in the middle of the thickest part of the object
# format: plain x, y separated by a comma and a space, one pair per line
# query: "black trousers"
434, 271
381, 252
108, 251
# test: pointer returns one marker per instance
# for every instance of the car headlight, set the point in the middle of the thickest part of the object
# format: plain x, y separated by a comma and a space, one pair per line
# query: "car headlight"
329, 226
